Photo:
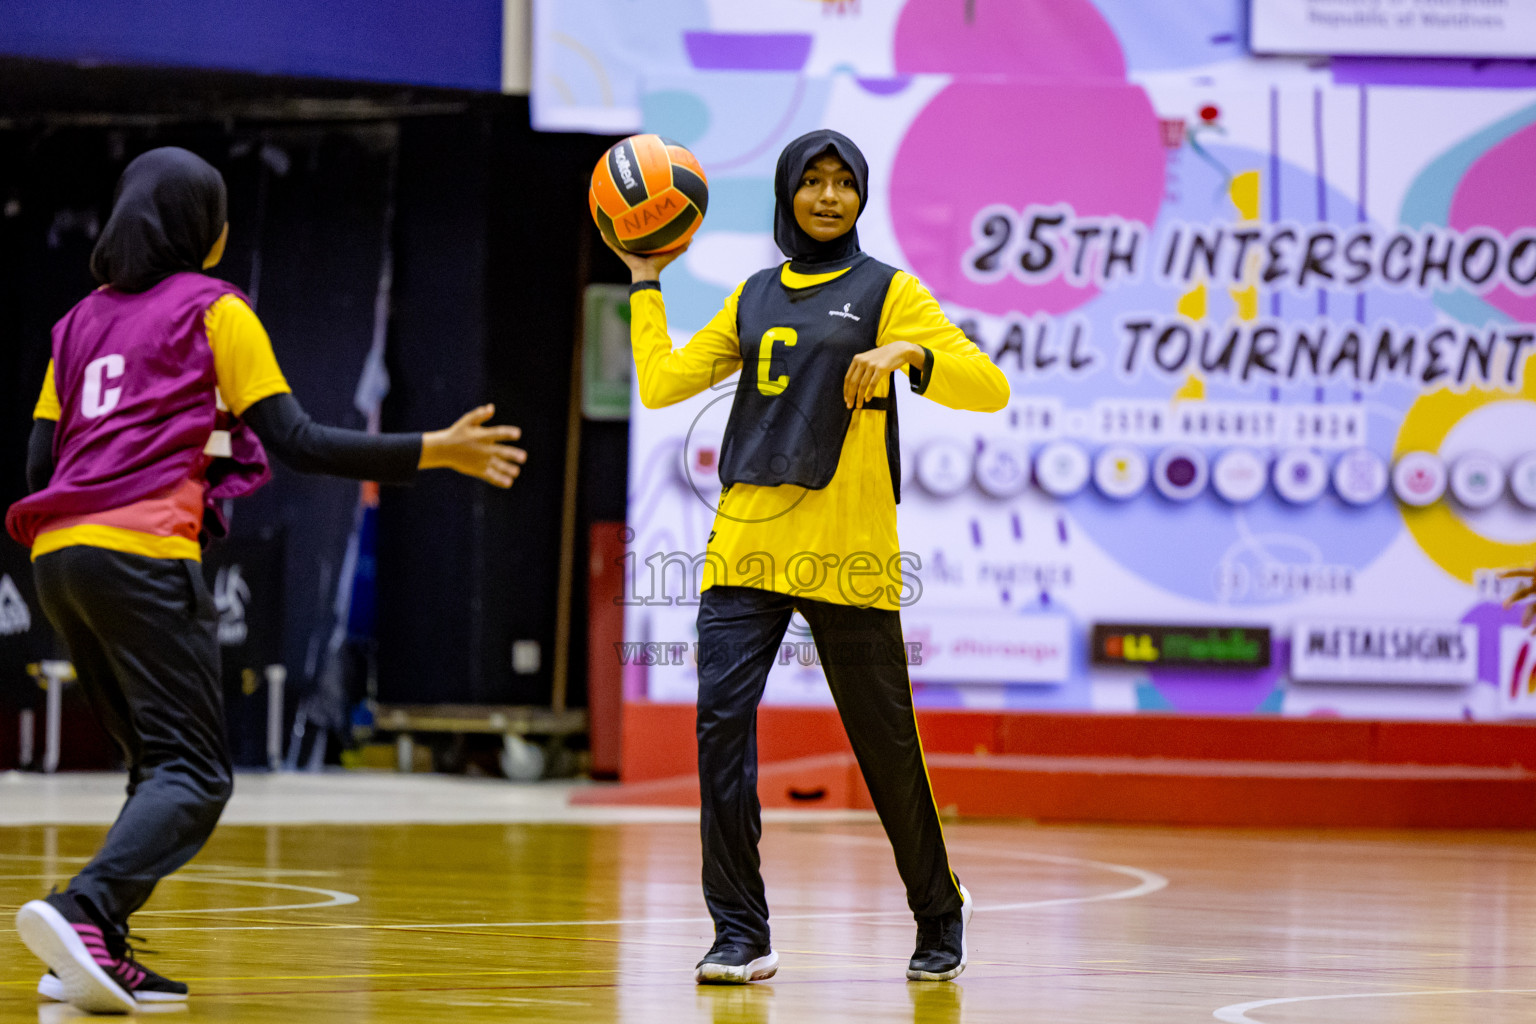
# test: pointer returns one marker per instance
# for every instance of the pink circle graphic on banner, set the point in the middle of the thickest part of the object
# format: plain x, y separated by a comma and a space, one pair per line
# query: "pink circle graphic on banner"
1093, 147
1496, 193
1035, 38
1419, 478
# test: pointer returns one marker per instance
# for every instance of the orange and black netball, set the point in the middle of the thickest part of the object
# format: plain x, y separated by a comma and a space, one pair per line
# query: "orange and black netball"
648, 194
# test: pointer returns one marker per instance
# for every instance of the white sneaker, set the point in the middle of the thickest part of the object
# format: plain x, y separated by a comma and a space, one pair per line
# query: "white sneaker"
731, 963
83, 982
50, 987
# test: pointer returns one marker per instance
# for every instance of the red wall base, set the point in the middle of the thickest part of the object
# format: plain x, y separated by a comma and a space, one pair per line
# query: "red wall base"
1191, 770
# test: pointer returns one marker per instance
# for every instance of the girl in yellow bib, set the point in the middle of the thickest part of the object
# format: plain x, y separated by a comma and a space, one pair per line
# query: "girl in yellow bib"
807, 523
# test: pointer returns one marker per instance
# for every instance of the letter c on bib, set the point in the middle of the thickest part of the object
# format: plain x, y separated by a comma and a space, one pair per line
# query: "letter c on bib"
96, 399
772, 386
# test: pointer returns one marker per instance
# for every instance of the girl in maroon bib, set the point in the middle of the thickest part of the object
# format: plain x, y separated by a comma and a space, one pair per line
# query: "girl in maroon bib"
130, 447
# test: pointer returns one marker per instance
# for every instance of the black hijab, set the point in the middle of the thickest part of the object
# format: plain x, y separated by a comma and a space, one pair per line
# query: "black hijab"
799, 154
168, 211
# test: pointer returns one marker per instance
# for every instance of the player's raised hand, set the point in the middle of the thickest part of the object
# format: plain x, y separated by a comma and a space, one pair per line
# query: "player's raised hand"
643, 267
471, 448
1525, 593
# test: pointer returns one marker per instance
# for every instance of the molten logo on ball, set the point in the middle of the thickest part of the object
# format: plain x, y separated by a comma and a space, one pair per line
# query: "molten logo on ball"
622, 159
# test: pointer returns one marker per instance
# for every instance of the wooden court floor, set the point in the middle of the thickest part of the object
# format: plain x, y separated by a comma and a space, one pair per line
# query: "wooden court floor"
603, 922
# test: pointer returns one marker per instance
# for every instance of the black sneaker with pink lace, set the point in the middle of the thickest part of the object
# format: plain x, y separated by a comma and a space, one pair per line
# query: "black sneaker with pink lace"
93, 964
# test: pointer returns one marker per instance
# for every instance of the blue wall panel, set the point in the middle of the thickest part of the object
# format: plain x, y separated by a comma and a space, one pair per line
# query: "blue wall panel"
454, 43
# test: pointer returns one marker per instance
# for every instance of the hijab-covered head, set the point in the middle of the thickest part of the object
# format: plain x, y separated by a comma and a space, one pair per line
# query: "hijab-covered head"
168, 212
799, 154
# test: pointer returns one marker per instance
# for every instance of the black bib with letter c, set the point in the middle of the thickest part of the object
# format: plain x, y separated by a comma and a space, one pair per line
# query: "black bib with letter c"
788, 420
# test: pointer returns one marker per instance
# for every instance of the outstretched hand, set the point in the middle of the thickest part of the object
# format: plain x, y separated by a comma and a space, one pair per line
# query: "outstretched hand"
1526, 593
475, 450
643, 267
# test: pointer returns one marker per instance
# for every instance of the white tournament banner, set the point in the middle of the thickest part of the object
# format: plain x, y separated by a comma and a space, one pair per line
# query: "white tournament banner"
1434, 654
1399, 28
986, 647
1269, 328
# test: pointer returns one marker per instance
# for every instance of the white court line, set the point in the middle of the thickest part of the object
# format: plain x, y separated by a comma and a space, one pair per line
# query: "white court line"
1238, 1013
1147, 882
334, 897
433, 925
236, 869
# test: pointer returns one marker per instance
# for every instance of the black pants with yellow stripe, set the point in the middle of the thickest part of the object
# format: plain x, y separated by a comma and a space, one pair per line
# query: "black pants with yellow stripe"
740, 630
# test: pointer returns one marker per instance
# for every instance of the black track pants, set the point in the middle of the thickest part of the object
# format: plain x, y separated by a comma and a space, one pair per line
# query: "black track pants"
740, 629
142, 633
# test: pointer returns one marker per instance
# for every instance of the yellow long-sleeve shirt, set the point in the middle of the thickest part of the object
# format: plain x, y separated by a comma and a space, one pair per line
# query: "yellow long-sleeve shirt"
837, 544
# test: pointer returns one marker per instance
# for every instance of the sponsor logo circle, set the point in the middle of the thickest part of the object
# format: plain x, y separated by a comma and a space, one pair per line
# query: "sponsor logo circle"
1300, 476
1419, 479
1360, 476
1477, 480
944, 467
1180, 472
1238, 475
1002, 467
1062, 469
1522, 480
1120, 472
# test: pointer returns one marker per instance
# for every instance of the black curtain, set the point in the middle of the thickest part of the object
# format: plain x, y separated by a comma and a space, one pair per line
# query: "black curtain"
489, 268
306, 237
489, 259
